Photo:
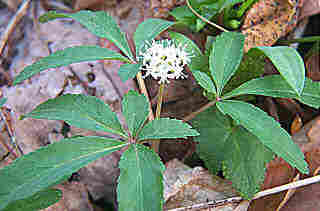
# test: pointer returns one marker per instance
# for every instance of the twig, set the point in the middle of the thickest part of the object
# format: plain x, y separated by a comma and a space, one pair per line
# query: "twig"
261, 194
13, 22
203, 108
204, 19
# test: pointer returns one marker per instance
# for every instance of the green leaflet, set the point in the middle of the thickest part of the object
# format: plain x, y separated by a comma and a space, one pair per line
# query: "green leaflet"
245, 161
215, 129
99, 23
289, 64
276, 86
3, 101
135, 109
166, 128
140, 186
205, 81
267, 130
68, 56
147, 31
42, 168
225, 58
82, 111
38, 201
127, 71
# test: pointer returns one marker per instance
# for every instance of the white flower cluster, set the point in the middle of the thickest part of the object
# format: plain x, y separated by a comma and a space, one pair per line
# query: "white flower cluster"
164, 60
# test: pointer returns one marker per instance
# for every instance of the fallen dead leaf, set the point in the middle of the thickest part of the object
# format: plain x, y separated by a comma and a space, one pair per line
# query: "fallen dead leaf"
184, 186
267, 21
309, 7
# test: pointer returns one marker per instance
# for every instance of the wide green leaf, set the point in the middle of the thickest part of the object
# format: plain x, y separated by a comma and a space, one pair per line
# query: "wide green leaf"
245, 161
198, 60
82, 111
215, 129
44, 167
135, 109
166, 128
289, 64
225, 57
68, 56
3, 101
267, 130
127, 71
205, 81
276, 86
147, 31
99, 23
140, 186
38, 201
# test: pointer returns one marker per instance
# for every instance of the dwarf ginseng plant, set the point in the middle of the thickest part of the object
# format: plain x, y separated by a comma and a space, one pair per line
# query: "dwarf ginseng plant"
25, 184
236, 136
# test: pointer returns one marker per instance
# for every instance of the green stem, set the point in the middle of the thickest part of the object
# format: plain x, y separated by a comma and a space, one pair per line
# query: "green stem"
155, 144
244, 7
300, 40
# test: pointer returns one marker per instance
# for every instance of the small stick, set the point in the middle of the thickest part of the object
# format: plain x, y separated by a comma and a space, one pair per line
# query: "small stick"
13, 22
204, 19
261, 194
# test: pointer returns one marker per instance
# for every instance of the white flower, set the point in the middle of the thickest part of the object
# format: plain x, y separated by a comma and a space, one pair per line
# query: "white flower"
164, 60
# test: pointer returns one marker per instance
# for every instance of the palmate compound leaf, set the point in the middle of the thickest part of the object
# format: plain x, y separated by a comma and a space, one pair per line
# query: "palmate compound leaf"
135, 109
204, 81
68, 56
81, 111
276, 86
99, 23
267, 130
221, 144
147, 31
166, 128
289, 63
140, 186
44, 167
225, 57
38, 201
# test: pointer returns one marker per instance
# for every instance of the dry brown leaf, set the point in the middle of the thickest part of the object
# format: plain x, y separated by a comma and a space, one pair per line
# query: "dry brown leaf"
184, 186
313, 66
93, 4
267, 21
296, 124
12, 4
74, 198
309, 7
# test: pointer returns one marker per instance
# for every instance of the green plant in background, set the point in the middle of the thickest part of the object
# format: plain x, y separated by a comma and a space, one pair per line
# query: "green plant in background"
211, 9
25, 184
238, 137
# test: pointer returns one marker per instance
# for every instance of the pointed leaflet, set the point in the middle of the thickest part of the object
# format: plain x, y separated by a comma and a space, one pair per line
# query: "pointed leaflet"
276, 86
140, 186
267, 130
99, 23
289, 64
215, 129
68, 56
127, 71
225, 57
245, 161
148, 30
44, 167
3, 101
242, 155
82, 111
38, 201
198, 60
166, 128
135, 109
204, 81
